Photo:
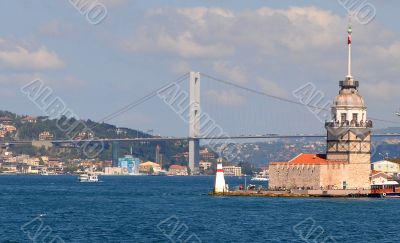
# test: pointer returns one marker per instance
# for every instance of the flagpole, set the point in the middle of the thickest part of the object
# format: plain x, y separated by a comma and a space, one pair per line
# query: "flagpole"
349, 31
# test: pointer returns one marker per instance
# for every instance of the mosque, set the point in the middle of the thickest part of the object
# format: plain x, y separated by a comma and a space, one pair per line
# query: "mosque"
347, 162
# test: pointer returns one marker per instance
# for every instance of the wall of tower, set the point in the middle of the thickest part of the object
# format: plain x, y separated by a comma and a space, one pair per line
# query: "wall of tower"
359, 171
294, 176
333, 175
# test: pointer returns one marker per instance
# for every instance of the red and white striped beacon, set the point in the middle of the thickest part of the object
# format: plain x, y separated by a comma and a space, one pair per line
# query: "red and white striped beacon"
220, 185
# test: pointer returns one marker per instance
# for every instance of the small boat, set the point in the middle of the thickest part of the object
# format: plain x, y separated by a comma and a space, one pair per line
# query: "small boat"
88, 178
251, 187
259, 178
44, 173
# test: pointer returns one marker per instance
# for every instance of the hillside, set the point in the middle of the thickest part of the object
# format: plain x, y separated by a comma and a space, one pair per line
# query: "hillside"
23, 127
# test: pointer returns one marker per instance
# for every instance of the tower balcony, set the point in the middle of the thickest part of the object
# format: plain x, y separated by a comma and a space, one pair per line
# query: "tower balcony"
349, 124
349, 83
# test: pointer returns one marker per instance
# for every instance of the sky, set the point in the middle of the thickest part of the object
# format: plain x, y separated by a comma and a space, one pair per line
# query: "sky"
274, 47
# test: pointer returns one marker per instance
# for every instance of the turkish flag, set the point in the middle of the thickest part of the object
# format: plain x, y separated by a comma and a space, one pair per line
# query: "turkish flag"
348, 39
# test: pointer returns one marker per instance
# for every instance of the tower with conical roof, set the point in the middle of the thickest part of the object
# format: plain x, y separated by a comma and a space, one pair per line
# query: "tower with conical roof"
349, 131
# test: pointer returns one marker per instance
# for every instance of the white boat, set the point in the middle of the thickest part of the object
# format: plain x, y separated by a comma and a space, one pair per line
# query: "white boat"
45, 173
88, 178
258, 178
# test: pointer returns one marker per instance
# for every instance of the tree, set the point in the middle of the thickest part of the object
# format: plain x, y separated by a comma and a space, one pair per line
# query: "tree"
247, 168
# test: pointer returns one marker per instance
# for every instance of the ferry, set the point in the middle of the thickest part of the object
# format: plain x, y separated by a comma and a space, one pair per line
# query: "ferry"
390, 189
88, 178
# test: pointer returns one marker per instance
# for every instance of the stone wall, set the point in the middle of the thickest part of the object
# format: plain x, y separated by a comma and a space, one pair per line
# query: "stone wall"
284, 176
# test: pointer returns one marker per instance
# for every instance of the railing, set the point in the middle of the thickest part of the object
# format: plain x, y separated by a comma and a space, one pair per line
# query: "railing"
337, 124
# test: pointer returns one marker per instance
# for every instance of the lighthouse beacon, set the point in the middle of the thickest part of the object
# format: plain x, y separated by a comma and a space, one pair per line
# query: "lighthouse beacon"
220, 186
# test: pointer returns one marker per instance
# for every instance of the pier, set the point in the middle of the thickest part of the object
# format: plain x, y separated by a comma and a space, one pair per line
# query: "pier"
295, 193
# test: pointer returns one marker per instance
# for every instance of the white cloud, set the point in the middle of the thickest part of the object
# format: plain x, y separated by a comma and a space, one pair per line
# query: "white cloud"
113, 3
385, 58
381, 90
183, 44
293, 44
226, 97
19, 78
272, 88
20, 57
234, 73
107, 3
181, 67
216, 32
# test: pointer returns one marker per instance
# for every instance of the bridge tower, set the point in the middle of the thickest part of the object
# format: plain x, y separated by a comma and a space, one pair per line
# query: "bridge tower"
115, 152
194, 122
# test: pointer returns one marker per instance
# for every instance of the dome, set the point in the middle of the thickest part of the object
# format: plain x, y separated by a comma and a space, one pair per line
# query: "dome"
348, 98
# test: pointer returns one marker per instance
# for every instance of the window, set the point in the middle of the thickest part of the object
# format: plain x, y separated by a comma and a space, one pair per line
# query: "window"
343, 117
355, 117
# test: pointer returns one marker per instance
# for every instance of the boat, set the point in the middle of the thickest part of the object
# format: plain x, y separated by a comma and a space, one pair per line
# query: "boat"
44, 173
88, 178
260, 178
389, 189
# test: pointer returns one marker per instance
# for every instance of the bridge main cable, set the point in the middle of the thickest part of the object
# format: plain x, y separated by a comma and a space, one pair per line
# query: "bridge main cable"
282, 98
138, 101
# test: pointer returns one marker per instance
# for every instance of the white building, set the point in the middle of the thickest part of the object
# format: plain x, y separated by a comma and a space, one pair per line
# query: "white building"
232, 171
113, 171
386, 166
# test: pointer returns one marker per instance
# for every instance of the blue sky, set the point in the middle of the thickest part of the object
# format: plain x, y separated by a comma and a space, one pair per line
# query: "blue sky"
273, 46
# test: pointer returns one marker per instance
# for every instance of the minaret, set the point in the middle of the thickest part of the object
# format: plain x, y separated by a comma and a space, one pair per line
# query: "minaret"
349, 131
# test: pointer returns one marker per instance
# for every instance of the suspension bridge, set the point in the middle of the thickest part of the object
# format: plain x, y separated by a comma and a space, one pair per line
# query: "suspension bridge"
201, 125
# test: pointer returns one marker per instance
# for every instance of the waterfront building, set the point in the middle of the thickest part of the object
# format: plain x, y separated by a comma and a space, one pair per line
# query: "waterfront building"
178, 170
347, 162
232, 170
113, 171
204, 165
129, 164
386, 166
379, 177
149, 167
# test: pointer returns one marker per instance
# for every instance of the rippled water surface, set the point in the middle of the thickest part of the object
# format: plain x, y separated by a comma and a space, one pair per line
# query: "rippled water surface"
170, 209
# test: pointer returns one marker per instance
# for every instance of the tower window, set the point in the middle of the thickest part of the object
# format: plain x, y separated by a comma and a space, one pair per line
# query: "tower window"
355, 117
343, 117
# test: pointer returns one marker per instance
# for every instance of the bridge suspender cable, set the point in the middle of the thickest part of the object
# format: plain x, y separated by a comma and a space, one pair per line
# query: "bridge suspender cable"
281, 98
138, 101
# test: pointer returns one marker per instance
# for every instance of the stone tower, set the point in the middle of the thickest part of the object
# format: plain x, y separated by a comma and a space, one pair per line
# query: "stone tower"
349, 132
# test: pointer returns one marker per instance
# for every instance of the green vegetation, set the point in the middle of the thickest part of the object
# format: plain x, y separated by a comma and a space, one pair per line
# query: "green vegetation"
64, 128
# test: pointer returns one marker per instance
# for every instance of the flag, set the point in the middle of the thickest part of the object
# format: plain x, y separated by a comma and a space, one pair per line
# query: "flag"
348, 39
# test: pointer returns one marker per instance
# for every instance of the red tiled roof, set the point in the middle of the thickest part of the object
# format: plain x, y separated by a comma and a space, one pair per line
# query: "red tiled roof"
376, 172
27, 118
309, 159
177, 167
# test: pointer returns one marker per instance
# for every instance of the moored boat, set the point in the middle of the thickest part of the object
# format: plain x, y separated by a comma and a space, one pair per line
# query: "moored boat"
389, 189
